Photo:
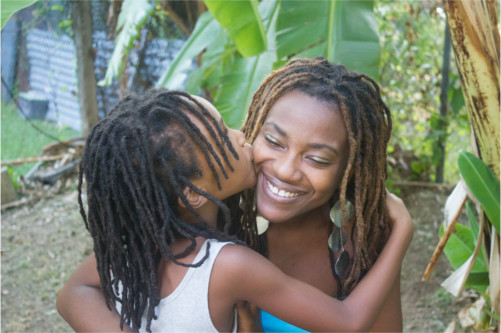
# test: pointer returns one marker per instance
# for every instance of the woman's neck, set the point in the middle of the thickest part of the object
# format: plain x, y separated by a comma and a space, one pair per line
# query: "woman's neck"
312, 220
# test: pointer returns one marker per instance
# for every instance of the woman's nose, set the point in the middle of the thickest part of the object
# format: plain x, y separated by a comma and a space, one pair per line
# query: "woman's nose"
287, 168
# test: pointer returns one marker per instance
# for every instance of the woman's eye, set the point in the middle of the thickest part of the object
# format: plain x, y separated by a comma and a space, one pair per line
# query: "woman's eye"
272, 141
319, 161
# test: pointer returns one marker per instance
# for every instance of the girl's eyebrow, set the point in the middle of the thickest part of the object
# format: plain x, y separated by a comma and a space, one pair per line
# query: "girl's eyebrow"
222, 124
312, 145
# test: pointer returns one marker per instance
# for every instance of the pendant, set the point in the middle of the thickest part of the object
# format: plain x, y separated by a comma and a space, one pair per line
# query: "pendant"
262, 224
342, 263
336, 213
337, 240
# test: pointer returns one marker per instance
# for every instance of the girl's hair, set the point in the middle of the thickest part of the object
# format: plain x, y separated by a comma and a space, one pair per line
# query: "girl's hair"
136, 163
368, 122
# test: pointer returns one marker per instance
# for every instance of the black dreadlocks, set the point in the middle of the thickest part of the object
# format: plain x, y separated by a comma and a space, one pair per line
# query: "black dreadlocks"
136, 163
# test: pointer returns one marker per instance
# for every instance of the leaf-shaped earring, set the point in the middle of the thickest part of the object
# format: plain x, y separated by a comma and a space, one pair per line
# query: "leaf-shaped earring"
338, 238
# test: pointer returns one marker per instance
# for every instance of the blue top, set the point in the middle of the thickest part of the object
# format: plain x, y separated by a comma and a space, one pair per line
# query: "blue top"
273, 324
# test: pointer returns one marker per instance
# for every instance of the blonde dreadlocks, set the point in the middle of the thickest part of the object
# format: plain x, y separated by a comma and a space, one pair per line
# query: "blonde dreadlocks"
368, 123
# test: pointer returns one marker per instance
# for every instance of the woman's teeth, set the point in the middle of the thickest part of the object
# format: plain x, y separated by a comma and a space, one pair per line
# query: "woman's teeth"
281, 193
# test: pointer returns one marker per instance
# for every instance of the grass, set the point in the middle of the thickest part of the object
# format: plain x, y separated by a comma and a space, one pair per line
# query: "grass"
21, 139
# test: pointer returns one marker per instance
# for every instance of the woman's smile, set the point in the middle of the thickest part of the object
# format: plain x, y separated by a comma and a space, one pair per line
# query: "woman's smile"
299, 158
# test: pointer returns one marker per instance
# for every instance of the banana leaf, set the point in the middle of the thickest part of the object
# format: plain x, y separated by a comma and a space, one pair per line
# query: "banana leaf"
205, 32
10, 7
345, 32
482, 183
242, 22
133, 16
245, 75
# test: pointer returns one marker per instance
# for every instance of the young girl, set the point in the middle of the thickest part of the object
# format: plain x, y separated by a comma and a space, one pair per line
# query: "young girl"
156, 170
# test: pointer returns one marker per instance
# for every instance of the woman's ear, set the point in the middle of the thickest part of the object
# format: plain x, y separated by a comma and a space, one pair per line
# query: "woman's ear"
195, 200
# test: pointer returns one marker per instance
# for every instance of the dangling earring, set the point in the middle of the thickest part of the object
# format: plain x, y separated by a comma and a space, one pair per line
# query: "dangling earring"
338, 238
261, 223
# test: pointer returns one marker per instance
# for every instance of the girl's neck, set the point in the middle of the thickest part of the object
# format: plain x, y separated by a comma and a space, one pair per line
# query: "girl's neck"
208, 212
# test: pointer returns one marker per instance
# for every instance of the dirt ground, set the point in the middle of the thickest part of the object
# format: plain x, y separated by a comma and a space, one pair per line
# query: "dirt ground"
43, 243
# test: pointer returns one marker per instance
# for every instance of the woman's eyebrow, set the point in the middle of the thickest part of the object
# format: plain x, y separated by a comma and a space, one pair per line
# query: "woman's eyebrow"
312, 145
276, 127
323, 146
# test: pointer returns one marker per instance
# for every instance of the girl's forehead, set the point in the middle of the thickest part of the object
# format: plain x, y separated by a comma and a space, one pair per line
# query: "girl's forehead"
208, 106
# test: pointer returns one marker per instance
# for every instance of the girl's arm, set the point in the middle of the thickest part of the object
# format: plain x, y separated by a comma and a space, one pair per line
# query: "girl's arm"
253, 278
390, 315
81, 303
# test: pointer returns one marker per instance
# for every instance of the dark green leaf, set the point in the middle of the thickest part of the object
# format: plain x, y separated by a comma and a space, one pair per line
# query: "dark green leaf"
482, 183
478, 281
341, 31
245, 75
457, 100
460, 247
242, 22
10, 7
133, 16
472, 220
205, 32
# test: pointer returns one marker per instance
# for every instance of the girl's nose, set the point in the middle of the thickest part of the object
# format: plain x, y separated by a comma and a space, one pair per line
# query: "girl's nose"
240, 137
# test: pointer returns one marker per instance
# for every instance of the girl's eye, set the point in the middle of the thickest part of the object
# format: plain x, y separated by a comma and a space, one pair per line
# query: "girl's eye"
272, 141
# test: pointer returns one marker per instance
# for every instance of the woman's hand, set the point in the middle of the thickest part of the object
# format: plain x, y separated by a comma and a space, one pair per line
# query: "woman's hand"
249, 317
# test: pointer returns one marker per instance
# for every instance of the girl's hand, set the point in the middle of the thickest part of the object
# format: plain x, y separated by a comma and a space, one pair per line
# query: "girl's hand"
399, 215
249, 317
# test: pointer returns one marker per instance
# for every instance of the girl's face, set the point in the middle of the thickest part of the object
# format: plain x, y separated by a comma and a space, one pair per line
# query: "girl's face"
300, 155
243, 176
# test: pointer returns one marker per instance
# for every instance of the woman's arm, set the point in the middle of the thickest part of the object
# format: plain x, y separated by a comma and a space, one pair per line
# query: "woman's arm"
255, 279
81, 303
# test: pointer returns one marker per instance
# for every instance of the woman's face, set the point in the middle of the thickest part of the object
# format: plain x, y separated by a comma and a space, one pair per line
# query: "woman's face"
243, 176
300, 156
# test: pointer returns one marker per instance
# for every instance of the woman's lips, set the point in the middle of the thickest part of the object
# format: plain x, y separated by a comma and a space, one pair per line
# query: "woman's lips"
278, 192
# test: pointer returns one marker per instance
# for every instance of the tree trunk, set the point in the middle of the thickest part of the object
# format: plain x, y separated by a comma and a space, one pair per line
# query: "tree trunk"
444, 102
87, 85
475, 37
473, 26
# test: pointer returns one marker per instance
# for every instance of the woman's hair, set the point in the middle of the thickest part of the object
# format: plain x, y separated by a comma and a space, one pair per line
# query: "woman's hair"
136, 163
368, 122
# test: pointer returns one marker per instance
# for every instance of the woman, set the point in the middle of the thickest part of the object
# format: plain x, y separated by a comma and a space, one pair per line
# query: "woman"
320, 133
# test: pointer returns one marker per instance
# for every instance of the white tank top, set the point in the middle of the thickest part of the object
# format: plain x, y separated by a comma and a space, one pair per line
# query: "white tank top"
186, 309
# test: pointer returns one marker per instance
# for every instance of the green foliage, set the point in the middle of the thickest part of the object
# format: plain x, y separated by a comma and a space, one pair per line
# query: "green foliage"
228, 74
230, 79
10, 7
133, 16
341, 31
461, 244
20, 139
240, 19
233, 79
412, 38
482, 183
459, 248
206, 31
